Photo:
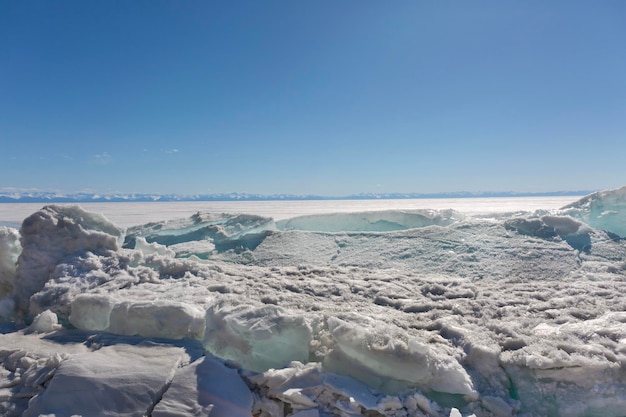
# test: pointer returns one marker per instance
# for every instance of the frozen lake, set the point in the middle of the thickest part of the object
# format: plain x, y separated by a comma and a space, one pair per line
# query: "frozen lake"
476, 307
131, 214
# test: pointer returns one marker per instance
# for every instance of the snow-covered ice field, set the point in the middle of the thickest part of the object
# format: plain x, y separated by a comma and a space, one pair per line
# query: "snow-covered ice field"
132, 214
512, 307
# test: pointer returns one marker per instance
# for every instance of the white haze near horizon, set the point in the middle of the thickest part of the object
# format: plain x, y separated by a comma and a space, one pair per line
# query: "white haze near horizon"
136, 213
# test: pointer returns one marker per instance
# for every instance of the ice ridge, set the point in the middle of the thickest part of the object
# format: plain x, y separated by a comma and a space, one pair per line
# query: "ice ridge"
205, 233
376, 221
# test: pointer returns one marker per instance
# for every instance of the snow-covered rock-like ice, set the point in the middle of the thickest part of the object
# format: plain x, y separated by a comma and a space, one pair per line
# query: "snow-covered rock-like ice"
424, 313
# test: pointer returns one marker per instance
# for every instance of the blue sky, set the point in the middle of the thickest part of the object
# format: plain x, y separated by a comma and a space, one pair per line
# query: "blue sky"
312, 97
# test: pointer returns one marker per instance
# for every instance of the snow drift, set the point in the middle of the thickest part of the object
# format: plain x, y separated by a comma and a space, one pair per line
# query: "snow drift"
425, 313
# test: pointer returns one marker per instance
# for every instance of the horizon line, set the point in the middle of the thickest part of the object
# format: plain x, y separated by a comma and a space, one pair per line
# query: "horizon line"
58, 197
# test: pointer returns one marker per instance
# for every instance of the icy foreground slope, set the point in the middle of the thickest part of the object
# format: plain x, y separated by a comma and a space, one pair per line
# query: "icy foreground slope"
420, 313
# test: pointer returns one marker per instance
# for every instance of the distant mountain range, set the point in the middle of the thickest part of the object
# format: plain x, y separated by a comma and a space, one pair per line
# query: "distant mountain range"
50, 197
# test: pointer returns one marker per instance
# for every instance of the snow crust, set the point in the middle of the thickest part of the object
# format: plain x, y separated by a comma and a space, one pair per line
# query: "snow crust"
423, 313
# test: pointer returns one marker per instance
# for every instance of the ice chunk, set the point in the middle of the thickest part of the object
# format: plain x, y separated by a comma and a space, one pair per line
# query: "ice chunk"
10, 249
91, 311
377, 357
374, 221
574, 369
259, 338
454, 412
203, 249
25, 372
358, 392
605, 210
575, 233
205, 388
45, 322
305, 388
222, 232
151, 248
119, 380
52, 234
163, 318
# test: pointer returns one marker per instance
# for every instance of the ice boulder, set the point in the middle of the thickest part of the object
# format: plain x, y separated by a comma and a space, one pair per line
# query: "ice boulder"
91, 311
10, 249
53, 234
393, 362
118, 380
605, 210
161, 318
45, 322
206, 387
258, 337
572, 369
152, 248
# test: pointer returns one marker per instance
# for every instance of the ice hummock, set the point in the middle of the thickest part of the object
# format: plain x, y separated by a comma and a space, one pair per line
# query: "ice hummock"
443, 314
10, 250
53, 234
204, 233
605, 210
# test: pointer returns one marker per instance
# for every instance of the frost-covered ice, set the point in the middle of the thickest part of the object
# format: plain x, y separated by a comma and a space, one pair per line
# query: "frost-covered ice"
386, 313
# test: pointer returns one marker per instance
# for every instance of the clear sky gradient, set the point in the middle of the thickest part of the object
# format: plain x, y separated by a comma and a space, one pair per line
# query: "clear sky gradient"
312, 97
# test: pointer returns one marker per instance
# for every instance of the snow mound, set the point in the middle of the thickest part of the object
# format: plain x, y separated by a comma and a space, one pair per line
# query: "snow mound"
605, 210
